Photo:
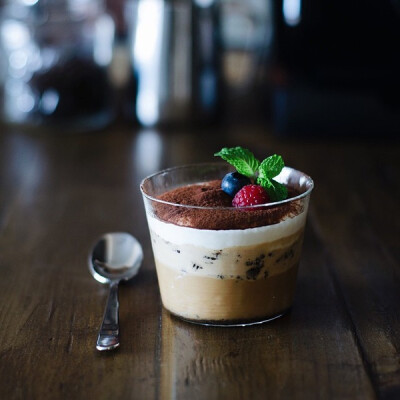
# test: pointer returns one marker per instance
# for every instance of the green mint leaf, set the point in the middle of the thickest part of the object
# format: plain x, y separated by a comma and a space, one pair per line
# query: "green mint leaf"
242, 159
276, 191
271, 166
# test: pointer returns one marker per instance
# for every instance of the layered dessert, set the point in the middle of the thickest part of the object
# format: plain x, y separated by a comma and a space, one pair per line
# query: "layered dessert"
225, 265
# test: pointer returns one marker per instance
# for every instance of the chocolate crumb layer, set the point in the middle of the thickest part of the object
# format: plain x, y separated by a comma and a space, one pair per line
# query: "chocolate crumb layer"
208, 194
224, 216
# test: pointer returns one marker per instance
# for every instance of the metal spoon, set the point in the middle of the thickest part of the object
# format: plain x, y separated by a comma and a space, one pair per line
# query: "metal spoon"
116, 256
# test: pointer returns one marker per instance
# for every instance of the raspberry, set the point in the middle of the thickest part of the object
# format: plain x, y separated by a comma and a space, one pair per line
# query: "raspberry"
250, 195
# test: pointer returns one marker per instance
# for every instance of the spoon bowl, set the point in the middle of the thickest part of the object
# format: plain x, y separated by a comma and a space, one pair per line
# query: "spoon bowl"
115, 257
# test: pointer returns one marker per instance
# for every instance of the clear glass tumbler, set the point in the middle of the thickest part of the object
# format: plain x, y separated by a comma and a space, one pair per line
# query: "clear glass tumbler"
54, 59
224, 265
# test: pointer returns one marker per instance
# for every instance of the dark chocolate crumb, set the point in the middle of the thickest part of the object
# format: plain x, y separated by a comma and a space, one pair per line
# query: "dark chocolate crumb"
269, 254
252, 273
210, 258
220, 276
289, 254
196, 267
178, 251
217, 253
286, 255
257, 264
266, 273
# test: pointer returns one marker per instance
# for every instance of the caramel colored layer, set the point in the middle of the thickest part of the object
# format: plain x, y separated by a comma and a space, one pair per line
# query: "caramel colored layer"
200, 298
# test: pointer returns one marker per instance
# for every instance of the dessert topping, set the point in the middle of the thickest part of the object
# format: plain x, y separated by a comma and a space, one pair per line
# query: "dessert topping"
242, 159
250, 195
261, 173
233, 182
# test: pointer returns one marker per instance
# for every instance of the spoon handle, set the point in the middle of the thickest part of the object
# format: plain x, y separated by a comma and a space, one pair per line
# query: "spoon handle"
108, 338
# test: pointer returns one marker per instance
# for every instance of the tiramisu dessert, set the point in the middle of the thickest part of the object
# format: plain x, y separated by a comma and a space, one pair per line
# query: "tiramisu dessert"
226, 241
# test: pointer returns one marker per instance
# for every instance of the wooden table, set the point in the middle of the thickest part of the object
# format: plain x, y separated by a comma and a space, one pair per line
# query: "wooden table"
60, 192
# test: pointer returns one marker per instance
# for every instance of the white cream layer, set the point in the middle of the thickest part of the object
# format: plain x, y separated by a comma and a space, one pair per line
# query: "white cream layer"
219, 239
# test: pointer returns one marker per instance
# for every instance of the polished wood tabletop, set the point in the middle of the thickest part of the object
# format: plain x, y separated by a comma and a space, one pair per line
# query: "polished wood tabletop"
59, 192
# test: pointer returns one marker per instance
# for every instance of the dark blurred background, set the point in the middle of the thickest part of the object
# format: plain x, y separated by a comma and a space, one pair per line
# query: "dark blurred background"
299, 67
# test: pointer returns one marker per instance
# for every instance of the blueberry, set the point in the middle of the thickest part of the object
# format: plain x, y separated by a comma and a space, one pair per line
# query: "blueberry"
233, 182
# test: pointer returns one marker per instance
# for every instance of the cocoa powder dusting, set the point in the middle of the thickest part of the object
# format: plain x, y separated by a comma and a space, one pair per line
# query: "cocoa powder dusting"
210, 194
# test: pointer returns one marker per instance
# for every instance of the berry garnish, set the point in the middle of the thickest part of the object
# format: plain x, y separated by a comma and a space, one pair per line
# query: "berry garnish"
250, 195
261, 173
233, 182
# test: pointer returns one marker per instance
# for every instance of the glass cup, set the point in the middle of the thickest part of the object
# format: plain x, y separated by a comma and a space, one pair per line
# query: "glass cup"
54, 64
224, 265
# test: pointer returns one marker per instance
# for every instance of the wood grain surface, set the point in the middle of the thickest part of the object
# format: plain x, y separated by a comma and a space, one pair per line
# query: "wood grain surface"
59, 193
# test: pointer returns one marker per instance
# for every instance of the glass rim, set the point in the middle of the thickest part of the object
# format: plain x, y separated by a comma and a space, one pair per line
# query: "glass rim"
310, 184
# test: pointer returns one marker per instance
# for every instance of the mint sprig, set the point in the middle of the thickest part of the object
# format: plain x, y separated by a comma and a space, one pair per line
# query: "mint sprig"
269, 168
276, 191
242, 159
262, 173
